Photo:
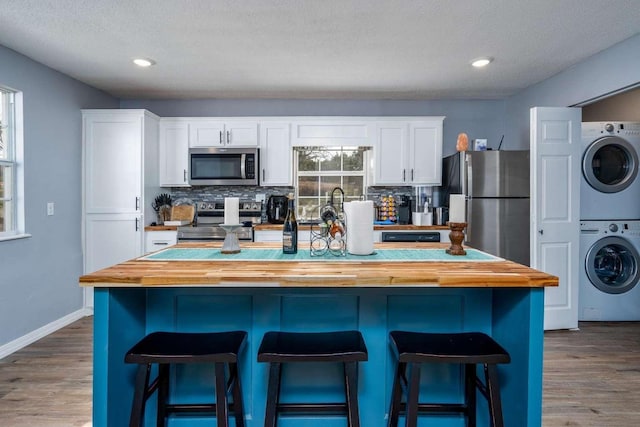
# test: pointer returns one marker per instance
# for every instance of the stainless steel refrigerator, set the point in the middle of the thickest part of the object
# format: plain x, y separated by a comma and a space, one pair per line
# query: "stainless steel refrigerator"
496, 185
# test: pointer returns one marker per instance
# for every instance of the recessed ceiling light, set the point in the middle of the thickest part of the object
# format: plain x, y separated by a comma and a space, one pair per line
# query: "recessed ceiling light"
481, 62
144, 62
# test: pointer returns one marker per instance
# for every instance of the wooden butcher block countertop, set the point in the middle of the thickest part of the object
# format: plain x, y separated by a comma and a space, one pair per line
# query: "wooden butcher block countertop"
330, 271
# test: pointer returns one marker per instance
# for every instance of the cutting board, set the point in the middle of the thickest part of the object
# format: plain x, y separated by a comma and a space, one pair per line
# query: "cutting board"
182, 213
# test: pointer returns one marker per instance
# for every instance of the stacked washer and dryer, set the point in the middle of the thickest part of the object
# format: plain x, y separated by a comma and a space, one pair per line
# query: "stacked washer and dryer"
610, 222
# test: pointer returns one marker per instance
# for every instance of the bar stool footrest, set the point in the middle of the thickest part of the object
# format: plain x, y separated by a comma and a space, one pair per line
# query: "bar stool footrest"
312, 408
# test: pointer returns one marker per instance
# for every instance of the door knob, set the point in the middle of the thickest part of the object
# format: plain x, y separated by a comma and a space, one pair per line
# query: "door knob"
541, 232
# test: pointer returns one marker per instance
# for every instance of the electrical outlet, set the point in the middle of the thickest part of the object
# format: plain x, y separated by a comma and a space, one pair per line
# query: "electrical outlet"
260, 197
50, 208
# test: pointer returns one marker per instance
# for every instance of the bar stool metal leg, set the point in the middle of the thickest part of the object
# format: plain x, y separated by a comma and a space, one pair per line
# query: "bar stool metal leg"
470, 393
493, 391
163, 394
413, 391
221, 396
396, 395
238, 408
273, 395
140, 394
351, 386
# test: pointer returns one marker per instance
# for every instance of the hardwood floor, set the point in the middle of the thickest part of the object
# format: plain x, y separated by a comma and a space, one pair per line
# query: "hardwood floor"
591, 378
48, 383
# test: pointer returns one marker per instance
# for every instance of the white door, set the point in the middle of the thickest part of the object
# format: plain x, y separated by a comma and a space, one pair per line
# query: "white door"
391, 152
555, 217
174, 154
275, 154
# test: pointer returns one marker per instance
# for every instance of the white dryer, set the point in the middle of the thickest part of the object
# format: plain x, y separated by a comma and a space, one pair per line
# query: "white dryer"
609, 272
610, 187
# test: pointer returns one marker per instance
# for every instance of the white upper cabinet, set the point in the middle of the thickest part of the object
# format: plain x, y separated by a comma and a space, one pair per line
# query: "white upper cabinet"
336, 132
174, 153
408, 152
425, 152
391, 153
223, 133
275, 153
113, 150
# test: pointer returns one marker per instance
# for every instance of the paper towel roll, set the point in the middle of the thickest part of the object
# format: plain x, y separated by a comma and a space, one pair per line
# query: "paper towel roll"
359, 227
231, 210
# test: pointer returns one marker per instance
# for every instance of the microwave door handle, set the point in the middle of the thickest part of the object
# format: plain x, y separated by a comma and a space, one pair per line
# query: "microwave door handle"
243, 172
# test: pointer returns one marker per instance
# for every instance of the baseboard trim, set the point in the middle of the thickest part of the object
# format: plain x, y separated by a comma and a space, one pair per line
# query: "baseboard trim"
19, 343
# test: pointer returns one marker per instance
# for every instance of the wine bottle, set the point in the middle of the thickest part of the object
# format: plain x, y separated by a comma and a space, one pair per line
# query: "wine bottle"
290, 230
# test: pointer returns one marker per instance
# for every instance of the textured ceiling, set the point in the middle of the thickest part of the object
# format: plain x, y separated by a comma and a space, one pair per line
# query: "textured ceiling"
357, 49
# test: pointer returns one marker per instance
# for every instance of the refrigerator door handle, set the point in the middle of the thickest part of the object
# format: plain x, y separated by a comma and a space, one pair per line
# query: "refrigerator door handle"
468, 191
469, 209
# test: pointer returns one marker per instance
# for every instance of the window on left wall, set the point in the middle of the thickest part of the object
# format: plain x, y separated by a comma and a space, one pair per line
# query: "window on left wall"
11, 212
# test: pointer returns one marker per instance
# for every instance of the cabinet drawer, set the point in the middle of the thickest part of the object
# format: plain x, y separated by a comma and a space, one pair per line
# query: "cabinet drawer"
156, 240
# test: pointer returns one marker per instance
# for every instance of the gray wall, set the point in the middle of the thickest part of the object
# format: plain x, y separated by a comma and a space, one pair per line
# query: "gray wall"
39, 275
479, 119
606, 72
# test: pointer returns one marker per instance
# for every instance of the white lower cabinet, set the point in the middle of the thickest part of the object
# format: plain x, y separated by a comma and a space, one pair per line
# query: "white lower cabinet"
111, 239
161, 239
304, 236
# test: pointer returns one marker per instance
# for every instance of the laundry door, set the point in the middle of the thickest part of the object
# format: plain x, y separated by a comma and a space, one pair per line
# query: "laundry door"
612, 265
610, 164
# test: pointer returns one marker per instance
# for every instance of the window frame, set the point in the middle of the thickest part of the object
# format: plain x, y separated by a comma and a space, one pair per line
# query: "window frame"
12, 136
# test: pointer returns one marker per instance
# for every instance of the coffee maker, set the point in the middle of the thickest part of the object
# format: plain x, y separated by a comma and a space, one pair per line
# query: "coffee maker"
404, 210
277, 207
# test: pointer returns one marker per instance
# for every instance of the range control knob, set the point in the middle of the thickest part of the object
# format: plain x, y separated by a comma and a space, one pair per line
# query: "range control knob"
608, 127
613, 227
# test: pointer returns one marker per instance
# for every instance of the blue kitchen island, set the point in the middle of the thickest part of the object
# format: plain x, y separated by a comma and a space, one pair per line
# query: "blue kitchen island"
192, 287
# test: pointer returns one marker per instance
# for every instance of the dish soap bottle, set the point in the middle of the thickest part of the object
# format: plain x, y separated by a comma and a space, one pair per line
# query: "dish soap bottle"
290, 229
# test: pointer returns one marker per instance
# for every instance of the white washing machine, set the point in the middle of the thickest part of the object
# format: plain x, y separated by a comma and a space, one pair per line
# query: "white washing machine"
610, 187
609, 272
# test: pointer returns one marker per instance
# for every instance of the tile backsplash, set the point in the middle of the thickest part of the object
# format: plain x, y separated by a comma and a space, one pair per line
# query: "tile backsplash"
249, 193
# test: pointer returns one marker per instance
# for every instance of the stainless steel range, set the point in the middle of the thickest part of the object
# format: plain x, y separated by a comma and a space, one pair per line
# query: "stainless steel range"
210, 215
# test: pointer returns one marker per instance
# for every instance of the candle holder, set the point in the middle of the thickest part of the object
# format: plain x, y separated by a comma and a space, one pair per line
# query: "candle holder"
456, 236
230, 244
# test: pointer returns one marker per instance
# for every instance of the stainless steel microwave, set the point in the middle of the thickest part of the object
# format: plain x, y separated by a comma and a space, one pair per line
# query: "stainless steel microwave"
223, 166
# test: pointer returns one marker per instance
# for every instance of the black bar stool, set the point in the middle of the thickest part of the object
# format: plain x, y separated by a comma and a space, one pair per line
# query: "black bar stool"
166, 348
346, 347
469, 349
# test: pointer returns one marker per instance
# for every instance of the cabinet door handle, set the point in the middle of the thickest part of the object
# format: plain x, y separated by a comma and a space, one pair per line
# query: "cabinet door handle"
160, 243
404, 175
137, 224
221, 142
228, 137
541, 232
137, 203
184, 174
411, 175
263, 174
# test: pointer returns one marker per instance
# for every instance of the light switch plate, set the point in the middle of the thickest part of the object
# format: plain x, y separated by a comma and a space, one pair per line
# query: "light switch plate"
50, 208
